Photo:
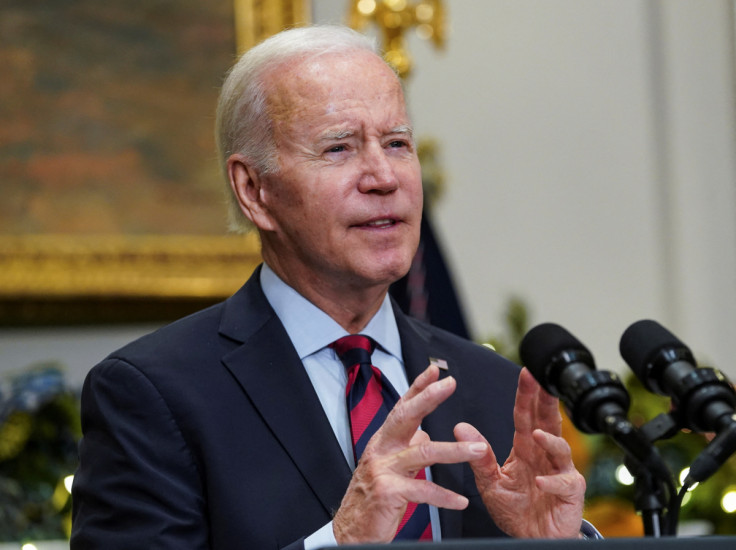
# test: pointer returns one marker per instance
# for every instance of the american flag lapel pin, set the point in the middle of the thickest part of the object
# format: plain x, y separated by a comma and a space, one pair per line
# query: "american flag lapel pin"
439, 363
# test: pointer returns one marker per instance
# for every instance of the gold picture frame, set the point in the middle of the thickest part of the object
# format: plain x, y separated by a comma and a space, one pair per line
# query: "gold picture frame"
57, 278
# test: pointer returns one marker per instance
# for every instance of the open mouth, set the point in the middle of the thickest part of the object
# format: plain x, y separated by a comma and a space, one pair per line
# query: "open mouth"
380, 223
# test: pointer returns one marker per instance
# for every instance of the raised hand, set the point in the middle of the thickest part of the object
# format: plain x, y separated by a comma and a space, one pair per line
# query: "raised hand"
537, 492
383, 482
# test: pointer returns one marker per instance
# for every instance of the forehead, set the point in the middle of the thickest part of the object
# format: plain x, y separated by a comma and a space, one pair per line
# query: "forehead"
335, 87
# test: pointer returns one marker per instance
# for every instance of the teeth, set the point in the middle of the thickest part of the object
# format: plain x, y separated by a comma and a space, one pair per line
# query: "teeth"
378, 223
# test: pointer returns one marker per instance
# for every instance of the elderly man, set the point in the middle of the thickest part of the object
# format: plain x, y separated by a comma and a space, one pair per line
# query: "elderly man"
230, 428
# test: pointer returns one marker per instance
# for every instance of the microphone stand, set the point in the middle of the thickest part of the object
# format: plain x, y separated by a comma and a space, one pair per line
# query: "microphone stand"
652, 494
649, 500
653, 485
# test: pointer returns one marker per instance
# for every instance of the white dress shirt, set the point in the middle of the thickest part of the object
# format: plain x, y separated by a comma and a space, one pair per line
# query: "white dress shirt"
311, 331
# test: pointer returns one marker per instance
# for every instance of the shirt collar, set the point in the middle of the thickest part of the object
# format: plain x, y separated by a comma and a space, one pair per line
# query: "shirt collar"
311, 329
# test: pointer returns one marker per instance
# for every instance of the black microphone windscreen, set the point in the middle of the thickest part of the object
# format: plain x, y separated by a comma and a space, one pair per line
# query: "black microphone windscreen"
544, 342
642, 341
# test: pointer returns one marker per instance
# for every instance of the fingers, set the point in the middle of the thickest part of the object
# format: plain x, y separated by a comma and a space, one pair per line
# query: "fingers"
422, 397
422, 452
564, 481
412, 448
535, 408
419, 437
430, 374
568, 486
487, 459
548, 412
416, 457
419, 490
384, 480
525, 404
557, 450
377, 498
399, 450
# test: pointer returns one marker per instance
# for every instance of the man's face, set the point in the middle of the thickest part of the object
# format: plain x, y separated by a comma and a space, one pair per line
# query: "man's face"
345, 204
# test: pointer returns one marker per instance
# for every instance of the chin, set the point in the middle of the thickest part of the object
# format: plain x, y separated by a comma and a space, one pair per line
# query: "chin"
392, 272
381, 267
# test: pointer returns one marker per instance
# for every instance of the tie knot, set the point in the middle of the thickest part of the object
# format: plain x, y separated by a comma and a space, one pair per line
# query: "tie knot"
354, 349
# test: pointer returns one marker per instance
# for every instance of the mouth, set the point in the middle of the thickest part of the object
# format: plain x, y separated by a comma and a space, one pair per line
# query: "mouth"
380, 224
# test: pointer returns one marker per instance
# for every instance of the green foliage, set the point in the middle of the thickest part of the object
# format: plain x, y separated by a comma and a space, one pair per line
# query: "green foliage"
702, 503
605, 457
516, 318
39, 431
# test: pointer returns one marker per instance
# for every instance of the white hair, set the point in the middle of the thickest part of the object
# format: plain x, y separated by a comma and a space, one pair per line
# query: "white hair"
243, 124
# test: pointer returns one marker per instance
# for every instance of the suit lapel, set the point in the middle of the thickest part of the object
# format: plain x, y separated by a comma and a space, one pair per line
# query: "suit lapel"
272, 376
270, 372
418, 346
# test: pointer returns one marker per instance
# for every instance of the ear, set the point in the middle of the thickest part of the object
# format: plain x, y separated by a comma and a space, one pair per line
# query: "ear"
246, 184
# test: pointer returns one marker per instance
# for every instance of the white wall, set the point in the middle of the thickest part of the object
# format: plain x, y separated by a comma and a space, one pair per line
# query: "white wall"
699, 147
74, 350
589, 149
547, 136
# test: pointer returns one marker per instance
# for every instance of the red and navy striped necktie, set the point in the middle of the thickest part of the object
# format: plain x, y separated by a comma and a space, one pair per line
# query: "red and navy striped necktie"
370, 397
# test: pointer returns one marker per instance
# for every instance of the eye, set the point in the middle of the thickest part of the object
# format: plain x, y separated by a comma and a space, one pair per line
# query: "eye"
336, 149
397, 144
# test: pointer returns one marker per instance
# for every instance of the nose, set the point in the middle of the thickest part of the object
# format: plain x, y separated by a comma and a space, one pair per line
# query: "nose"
378, 173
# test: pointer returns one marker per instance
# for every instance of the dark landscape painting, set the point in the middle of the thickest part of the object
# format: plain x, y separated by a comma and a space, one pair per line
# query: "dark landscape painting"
106, 115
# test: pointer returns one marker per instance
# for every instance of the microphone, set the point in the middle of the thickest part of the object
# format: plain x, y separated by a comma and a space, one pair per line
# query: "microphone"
596, 400
703, 398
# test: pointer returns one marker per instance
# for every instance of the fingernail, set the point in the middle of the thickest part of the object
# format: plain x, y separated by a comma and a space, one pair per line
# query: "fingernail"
478, 448
447, 381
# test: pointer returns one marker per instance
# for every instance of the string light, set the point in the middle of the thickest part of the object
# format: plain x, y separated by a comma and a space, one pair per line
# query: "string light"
366, 7
683, 477
623, 476
68, 480
728, 501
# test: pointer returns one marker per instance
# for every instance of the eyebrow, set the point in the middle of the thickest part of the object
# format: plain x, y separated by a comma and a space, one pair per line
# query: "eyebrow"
335, 135
403, 129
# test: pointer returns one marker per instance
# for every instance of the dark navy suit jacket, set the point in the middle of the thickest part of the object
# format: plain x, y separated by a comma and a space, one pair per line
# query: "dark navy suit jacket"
207, 434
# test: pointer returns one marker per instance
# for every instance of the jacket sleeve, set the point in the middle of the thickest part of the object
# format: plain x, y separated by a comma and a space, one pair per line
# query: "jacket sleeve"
137, 485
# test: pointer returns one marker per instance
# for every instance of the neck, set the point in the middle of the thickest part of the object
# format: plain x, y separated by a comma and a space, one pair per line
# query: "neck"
351, 305
351, 315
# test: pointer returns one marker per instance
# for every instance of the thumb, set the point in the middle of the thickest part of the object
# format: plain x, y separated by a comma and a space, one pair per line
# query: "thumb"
465, 432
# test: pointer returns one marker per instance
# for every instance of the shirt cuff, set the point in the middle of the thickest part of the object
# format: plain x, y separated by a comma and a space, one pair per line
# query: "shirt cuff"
589, 532
322, 538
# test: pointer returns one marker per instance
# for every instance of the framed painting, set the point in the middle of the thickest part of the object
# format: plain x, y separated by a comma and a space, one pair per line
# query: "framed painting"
112, 202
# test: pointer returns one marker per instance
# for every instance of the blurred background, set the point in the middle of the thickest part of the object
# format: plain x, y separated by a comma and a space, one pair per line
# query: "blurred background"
580, 157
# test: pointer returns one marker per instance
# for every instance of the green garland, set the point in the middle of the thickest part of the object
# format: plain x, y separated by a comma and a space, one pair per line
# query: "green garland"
604, 458
39, 431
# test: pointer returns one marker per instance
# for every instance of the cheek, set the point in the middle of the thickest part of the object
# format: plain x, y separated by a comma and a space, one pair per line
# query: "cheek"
415, 189
284, 200
410, 172
419, 194
305, 213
